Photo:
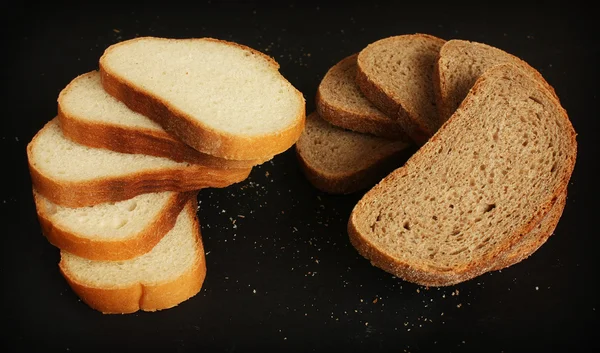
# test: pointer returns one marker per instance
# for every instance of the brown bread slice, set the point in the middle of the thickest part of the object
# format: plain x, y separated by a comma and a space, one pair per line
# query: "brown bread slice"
488, 177
458, 66
90, 116
340, 102
74, 175
171, 273
396, 74
339, 161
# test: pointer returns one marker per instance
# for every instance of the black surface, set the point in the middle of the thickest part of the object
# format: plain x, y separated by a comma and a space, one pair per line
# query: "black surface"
284, 276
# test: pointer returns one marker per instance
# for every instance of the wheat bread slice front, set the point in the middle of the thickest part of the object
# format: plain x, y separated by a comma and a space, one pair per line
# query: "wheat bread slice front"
219, 97
339, 161
74, 175
90, 116
488, 177
340, 102
460, 63
395, 74
111, 231
171, 273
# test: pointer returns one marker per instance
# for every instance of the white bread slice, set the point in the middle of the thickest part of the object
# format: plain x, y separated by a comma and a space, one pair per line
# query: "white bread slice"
172, 272
219, 97
487, 178
74, 175
339, 161
90, 116
396, 75
460, 63
340, 102
114, 230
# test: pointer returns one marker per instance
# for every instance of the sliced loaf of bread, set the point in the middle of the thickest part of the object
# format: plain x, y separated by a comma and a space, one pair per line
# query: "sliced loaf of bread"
114, 230
90, 116
172, 272
487, 178
74, 175
219, 97
396, 74
340, 102
458, 66
339, 161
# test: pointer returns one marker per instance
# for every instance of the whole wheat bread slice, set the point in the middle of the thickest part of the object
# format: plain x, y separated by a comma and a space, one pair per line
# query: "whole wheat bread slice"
396, 74
458, 66
90, 116
340, 102
75, 175
171, 273
339, 161
219, 97
488, 177
111, 231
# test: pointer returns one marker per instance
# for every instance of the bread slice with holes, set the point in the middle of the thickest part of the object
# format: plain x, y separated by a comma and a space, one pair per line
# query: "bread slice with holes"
460, 63
396, 74
169, 274
219, 97
340, 102
74, 175
339, 161
90, 116
113, 230
486, 179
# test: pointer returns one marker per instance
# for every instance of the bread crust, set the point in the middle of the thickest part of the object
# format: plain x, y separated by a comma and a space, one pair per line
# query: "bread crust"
193, 132
113, 250
141, 141
417, 131
441, 277
145, 297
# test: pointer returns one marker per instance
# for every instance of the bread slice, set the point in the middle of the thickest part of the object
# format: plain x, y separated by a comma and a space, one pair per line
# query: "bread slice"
219, 97
340, 102
487, 177
113, 230
90, 116
396, 74
172, 272
74, 175
339, 161
458, 66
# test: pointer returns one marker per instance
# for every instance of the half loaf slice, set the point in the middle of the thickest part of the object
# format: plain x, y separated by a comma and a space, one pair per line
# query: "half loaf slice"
75, 175
111, 231
90, 116
221, 98
489, 175
396, 74
172, 272
458, 66
340, 102
339, 161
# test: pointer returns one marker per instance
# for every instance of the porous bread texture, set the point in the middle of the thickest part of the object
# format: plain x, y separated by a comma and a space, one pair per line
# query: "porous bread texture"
219, 97
460, 63
75, 175
90, 116
340, 161
172, 272
340, 102
395, 74
113, 230
487, 177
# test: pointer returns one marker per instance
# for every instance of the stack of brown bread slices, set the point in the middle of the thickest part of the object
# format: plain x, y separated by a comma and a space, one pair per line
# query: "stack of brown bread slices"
116, 173
488, 183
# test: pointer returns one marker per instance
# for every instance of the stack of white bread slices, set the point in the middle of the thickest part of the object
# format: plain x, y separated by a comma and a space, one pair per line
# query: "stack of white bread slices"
488, 183
116, 174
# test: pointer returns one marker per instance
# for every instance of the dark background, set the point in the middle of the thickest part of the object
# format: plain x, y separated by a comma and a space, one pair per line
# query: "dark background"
284, 276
